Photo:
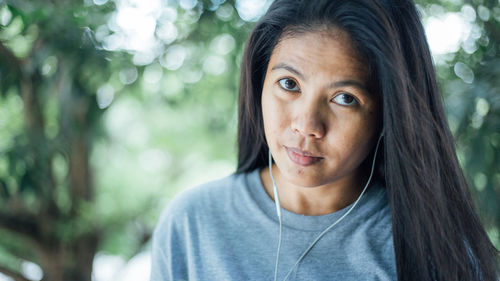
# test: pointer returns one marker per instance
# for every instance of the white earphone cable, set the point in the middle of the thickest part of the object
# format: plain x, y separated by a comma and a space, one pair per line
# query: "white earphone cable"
278, 208
278, 211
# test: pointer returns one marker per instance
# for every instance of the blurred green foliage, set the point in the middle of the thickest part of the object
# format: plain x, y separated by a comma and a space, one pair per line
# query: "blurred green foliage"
470, 82
109, 108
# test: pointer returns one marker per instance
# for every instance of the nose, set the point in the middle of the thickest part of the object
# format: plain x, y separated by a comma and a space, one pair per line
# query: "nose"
308, 121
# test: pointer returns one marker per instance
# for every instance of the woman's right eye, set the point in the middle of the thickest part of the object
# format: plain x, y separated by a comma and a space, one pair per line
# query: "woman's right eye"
289, 85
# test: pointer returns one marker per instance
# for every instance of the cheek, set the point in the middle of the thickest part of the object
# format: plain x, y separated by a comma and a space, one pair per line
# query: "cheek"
276, 128
353, 134
274, 113
268, 115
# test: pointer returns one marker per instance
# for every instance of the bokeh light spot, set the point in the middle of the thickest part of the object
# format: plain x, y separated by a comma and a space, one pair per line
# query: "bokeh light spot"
105, 96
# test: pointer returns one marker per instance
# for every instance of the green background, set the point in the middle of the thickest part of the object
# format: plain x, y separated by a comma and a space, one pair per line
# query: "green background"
109, 108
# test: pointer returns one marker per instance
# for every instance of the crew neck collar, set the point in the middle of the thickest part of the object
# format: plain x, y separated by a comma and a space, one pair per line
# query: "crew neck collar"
311, 223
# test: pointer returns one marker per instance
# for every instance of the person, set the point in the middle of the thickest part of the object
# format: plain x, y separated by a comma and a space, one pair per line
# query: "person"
346, 165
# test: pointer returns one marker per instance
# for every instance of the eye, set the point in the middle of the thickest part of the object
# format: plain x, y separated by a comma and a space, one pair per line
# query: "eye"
289, 85
345, 99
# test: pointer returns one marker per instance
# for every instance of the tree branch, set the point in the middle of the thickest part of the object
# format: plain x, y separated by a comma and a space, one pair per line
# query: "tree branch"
23, 224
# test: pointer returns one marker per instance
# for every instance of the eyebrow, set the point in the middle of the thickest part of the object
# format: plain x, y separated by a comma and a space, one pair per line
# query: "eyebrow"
352, 83
336, 84
289, 68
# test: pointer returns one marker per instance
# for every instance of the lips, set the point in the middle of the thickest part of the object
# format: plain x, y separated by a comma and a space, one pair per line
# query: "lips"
302, 158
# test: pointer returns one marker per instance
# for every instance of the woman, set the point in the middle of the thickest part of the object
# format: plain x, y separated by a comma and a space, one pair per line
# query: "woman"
365, 183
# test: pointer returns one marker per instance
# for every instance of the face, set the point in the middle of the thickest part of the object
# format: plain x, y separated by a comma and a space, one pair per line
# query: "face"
320, 119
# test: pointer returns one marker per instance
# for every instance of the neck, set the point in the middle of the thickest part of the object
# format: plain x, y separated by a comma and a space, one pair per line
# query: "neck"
314, 201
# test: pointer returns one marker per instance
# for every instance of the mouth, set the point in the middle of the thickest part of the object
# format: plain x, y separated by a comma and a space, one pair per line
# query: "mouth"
300, 157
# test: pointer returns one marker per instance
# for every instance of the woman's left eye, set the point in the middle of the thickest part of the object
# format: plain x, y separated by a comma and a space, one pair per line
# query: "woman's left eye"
345, 99
289, 85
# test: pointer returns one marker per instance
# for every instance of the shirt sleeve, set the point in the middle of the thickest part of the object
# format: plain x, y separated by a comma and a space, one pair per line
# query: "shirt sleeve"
168, 254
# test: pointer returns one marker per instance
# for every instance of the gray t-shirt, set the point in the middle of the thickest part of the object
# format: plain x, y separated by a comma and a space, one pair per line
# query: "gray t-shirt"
228, 230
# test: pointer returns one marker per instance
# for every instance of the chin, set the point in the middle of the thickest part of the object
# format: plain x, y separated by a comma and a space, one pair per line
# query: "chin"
302, 177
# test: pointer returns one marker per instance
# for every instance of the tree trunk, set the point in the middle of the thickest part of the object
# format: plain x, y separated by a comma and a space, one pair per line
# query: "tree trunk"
72, 261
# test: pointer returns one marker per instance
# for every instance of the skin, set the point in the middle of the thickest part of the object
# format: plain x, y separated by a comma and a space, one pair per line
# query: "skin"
315, 98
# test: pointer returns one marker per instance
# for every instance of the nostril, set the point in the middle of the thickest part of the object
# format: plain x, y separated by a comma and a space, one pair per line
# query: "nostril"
308, 129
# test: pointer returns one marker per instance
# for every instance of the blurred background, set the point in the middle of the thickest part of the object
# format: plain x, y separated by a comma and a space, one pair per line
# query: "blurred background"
108, 108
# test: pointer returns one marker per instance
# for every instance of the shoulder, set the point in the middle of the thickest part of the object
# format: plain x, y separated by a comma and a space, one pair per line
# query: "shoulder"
205, 194
178, 229
200, 201
375, 216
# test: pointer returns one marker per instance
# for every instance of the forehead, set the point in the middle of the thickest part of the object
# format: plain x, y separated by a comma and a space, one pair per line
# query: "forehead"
330, 51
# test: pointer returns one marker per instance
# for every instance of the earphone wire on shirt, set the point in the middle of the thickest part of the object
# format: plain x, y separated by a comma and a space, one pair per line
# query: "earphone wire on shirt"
278, 212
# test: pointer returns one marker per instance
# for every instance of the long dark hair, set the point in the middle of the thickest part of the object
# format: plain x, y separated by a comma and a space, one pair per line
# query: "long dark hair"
436, 230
